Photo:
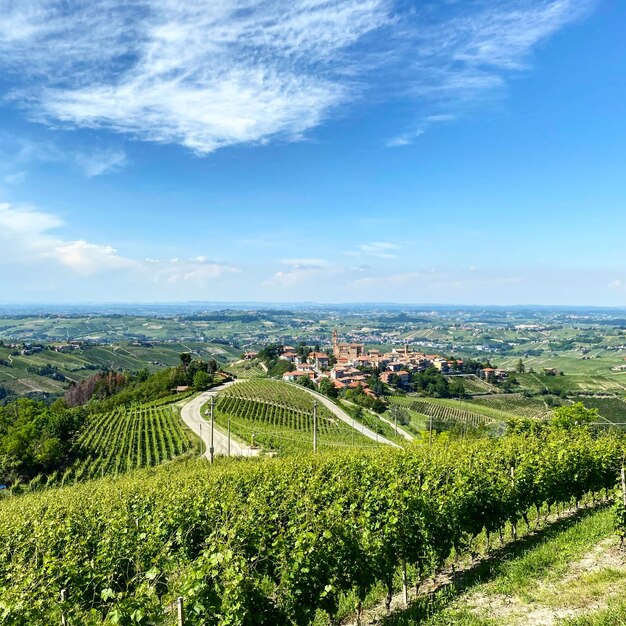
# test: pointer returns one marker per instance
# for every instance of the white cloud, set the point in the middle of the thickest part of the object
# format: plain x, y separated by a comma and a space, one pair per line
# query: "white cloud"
94, 162
89, 258
198, 270
305, 271
204, 75
459, 54
617, 285
30, 236
212, 74
306, 264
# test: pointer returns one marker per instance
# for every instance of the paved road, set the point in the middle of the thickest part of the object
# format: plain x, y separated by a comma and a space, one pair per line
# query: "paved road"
344, 417
191, 414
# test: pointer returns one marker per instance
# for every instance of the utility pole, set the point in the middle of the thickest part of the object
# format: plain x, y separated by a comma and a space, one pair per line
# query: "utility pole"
201, 441
314, 426
212, 449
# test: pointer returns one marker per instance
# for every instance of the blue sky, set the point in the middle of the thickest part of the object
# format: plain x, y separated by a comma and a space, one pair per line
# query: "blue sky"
450, 151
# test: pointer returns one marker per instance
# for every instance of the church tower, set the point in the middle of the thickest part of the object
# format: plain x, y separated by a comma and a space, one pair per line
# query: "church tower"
335, 342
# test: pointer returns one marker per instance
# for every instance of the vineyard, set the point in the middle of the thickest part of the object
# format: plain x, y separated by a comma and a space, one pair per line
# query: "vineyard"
281, 418
280, 541
443, 413
126, 439
612, 410
514, 404
473, 384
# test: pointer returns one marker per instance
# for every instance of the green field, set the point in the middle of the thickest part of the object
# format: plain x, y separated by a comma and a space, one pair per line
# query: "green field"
568, 574
573, 383
445, 412
281, 418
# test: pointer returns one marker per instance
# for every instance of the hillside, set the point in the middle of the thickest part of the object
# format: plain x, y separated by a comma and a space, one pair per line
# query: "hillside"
50, 371
125, 439
280, 416
279, 541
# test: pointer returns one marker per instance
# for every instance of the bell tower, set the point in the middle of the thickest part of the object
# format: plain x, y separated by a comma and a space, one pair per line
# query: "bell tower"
335, 342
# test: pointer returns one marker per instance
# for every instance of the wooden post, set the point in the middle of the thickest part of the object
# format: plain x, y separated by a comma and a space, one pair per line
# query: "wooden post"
623, 473
405, 586
63, 597
430, 430
180, 611
212, 449
229, 435
314, 426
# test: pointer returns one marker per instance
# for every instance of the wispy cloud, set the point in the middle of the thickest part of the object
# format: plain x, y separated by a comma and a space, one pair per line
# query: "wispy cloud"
15, 178
204, 75
458, 54
28, 235
99, 162
212, 74
378, 249
92, 162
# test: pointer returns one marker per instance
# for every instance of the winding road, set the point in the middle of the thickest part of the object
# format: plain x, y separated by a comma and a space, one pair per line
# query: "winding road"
191, 414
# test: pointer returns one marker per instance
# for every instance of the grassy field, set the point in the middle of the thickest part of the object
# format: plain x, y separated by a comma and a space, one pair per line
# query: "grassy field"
472, 384
573, 383
245, 369
445, 412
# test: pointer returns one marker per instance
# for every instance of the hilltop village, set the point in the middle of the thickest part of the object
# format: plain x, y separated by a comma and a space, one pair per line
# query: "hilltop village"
351, 366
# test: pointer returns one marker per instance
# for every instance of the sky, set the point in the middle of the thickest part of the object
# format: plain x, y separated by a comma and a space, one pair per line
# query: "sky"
433, 151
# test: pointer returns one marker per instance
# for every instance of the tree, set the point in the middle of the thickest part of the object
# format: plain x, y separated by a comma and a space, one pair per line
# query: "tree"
520, 368
305, 381
574, 415
185, 359
328, 388
202, 380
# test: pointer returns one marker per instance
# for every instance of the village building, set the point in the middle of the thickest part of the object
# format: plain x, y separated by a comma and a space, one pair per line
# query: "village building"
292, 377
319, 359
349, 351
289, 356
